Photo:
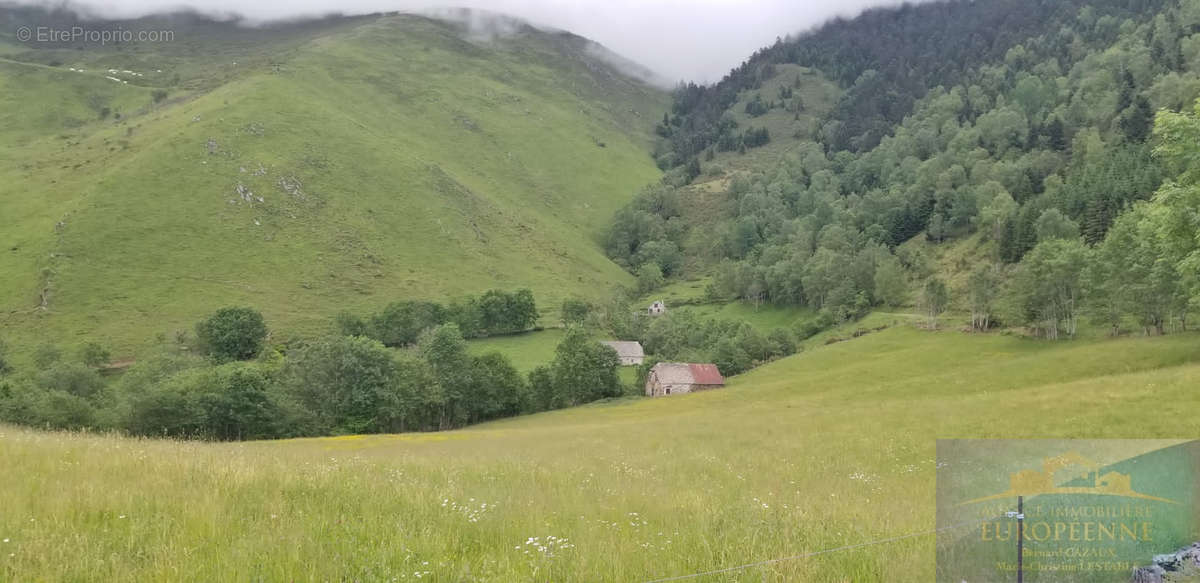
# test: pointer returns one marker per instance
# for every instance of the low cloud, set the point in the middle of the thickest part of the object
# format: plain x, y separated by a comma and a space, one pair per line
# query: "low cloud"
693, 40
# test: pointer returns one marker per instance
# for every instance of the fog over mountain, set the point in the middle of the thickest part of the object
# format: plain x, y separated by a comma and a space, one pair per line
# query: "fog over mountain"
696, 40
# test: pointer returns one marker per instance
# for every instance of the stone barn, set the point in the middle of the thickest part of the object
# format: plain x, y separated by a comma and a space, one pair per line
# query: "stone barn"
657, 308
630, 353
674, 378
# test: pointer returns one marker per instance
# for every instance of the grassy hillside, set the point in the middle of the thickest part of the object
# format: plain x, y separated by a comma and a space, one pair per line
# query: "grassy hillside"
776, 465
311, 169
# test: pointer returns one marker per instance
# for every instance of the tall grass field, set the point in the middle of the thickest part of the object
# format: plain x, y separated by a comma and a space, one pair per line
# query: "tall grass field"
830, 448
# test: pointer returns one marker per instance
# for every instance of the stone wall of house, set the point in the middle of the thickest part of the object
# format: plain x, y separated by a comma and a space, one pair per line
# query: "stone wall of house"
657, 389
654, 388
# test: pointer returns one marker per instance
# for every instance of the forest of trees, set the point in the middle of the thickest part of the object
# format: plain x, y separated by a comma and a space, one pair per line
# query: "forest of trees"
682, 335
1023, 129
229, 382
400, 323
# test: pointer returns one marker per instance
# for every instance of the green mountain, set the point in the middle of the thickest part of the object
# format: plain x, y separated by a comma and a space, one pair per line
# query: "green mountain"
304, 169
1007, 148
1031, 162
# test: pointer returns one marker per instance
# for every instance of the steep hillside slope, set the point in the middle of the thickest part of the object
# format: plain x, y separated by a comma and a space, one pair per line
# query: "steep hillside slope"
1023, 130
831, 448
332, 165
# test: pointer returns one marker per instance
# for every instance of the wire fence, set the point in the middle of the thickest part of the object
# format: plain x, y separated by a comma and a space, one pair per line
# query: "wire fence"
821, 552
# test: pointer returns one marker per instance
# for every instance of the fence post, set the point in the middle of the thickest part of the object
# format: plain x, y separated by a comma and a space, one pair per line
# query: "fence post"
1020, 539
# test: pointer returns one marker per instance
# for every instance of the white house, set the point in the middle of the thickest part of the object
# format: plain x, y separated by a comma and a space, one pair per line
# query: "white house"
630, 353
658, 307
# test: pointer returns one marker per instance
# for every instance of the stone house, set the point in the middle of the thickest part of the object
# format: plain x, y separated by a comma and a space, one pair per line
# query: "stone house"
674, 378
656, 308
630, 353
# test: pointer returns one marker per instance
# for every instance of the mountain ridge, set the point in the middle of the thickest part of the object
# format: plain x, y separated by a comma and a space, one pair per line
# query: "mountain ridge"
390, 152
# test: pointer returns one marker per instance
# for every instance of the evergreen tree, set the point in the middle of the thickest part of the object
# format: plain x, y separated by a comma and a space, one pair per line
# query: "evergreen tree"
1056, 135
693, 169
1138, 120
1128, 87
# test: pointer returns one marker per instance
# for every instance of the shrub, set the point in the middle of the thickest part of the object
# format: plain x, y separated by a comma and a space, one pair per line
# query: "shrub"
62, 410
401, 323
232, 334
649, 278
94, 355
171, 409
237, 403
730, 358
351, 385
350, 325
466, 315
46, 356
502, 312
71, 378
15, 405
5, 365
755, 345
575, 311
153, 371
781, 343
810, 328
230, 401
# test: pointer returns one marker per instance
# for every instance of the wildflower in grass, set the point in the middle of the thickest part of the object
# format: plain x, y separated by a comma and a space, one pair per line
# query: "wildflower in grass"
469, 510
547, 547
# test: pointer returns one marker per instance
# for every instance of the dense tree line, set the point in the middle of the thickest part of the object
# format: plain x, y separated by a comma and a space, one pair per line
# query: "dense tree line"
1141, 276
735, 347
682, 335
401, 323
238, 386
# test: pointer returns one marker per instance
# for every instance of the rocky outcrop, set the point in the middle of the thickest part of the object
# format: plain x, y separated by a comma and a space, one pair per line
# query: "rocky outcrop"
1182, 565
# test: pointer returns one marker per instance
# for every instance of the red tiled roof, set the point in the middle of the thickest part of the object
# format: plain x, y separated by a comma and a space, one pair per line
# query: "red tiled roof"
706, 374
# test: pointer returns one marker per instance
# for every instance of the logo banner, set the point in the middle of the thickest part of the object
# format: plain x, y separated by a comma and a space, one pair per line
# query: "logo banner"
1062, 510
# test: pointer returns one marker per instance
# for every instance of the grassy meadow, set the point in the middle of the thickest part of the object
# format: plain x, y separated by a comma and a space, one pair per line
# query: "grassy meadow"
526, 351
530, 350
828, 448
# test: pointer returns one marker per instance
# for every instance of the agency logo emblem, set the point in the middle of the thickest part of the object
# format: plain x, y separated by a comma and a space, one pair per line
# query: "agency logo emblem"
1062, 510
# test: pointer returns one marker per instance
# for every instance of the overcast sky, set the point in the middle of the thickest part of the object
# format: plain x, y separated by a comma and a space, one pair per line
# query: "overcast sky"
681, 39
